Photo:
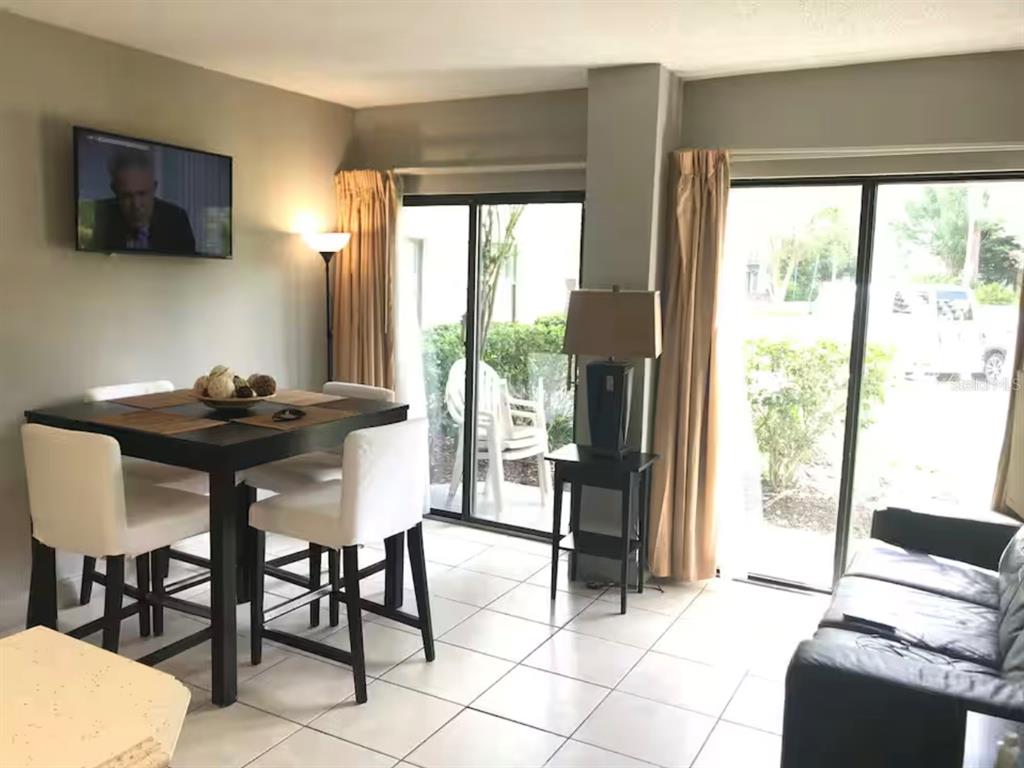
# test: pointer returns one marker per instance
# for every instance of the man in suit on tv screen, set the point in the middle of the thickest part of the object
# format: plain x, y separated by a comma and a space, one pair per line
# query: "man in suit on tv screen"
135, 219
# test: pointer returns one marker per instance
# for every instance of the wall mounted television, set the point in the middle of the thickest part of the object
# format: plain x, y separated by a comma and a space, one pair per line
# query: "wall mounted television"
138, 196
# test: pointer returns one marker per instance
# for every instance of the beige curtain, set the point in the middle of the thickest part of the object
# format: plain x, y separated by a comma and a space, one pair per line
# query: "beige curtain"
364, 278
682, 524
1009, 492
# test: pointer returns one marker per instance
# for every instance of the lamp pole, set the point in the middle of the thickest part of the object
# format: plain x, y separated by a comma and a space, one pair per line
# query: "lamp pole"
327, 256
327, 244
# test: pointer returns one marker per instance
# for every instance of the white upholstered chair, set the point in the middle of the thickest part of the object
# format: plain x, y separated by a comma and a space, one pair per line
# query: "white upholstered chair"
80, 501
508, 428
382, 493
141, 469
295, 473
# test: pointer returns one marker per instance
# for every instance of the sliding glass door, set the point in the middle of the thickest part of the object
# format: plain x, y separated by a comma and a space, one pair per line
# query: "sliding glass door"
869, 324
493, 275
787, 309
942, 320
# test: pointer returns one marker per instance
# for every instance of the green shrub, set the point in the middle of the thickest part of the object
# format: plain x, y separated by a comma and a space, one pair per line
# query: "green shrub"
798, 396
995, 293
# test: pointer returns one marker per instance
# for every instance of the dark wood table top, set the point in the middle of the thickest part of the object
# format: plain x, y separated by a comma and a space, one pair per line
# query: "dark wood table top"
634, 461
232, 446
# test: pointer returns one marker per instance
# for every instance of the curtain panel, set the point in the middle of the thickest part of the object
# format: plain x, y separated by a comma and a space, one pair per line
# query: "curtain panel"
682, 524
364, 277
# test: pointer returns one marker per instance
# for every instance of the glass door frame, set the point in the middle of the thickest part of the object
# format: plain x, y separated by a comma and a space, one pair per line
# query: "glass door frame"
869, 185
471, 349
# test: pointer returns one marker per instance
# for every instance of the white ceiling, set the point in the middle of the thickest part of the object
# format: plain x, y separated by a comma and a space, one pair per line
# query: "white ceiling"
366, 53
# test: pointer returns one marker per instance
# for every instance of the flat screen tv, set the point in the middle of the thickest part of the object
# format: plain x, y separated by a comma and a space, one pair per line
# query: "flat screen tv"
139, 196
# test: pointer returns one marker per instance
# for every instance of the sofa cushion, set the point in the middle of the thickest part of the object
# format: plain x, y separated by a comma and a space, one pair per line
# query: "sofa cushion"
954, 628
1011, 604
851, 660
952, 578
899, 651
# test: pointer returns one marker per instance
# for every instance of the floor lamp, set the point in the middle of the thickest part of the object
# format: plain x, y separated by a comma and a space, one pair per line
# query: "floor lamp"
327, 244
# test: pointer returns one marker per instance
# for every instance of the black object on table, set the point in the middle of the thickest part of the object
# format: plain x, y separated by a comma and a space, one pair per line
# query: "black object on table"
579, 465
221, 451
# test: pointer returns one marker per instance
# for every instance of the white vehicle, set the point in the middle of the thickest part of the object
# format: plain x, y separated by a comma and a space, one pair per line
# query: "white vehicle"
934, 330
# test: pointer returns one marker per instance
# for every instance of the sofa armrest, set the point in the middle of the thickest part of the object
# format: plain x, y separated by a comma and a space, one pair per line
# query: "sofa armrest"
978, 542
848, 708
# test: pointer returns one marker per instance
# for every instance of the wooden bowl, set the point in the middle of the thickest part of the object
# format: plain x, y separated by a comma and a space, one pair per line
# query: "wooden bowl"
236, 404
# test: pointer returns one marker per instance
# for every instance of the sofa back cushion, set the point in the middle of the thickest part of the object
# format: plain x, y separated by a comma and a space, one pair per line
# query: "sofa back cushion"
1011, 605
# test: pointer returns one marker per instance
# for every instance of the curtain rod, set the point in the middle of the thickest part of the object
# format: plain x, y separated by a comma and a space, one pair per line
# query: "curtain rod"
466, 168
835, 153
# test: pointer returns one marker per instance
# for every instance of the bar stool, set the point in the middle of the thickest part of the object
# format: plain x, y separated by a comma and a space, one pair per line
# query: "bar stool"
296, 473
144, 471
382, 494
80, 502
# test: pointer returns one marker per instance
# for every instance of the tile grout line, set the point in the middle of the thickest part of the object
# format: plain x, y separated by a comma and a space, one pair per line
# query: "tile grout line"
515, 665
630, 671
463, 708
591, 600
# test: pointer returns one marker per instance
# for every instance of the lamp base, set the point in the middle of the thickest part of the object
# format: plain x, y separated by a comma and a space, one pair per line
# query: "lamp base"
609, 393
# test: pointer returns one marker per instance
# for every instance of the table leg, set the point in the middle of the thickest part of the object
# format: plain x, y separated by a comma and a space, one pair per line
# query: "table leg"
642, 512
394, 571
223, 574
556, 530
575, 502
627, 505
42, 595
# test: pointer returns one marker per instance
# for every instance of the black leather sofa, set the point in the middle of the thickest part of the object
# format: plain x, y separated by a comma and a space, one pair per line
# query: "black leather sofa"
924, 626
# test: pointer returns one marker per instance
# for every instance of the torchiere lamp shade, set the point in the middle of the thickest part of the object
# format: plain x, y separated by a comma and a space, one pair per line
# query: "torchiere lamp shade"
612, 324
327, 242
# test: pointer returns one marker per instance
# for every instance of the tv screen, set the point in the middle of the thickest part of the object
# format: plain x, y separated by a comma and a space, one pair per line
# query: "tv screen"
138, 196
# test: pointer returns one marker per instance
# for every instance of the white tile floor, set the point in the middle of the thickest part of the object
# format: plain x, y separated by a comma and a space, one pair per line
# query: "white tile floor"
680, 680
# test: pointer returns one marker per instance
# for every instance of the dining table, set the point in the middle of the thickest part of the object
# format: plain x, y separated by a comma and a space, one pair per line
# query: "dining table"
222, 444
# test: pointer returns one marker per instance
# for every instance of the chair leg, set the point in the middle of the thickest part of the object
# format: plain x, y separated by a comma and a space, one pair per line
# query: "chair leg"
315, 564
394, 571
112, 609
42, 594
456, 480
142, 582
499, 484
542, 479
88, 572
350, 564
418, 566
256, 603
158, 572
334, 569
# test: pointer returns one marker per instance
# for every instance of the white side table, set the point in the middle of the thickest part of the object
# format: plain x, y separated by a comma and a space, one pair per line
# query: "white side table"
64, 702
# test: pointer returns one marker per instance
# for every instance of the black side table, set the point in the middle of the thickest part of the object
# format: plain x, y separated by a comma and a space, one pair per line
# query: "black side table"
578, 465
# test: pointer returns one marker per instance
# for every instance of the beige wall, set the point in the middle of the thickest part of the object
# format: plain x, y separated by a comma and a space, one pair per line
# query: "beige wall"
931, 104
71, 320
533, 128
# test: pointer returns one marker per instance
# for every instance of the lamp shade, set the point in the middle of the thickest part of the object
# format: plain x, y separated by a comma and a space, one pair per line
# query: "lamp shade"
327, 242
615, 323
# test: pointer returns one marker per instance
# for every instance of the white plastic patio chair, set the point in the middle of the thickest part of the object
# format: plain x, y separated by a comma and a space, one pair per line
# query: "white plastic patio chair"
508, 429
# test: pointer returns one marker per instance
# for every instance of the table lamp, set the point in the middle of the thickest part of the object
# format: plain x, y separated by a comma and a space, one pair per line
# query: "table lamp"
327, 244
616, 325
